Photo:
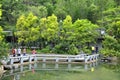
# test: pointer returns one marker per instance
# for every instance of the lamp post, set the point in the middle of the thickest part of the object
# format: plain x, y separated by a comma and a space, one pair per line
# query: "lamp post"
102, 32
101, 37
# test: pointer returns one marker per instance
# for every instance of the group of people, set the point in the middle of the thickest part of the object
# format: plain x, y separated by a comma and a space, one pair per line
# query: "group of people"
94, 49
19, 52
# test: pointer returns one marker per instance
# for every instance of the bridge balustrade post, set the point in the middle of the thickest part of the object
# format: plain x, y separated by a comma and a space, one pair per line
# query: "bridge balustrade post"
96, 57
35, 58
91, 58
86, 59
21, 60
44, 59
69, 60
30, 59
11, 61
57, 59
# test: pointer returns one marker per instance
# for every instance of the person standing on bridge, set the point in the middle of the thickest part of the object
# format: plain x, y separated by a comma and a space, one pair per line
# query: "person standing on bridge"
93, 49
24, 51
96, 49
13, 52
19, 52
34, 51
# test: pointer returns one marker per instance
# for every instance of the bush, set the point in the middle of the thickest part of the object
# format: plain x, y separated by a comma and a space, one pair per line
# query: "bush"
108, 52
46, 49
73, 49
65, 48
111, 46
60, 48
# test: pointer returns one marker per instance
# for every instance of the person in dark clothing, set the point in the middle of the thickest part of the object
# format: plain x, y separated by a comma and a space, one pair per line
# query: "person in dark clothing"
96, 49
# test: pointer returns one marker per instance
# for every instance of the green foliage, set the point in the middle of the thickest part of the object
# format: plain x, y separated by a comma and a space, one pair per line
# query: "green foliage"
85, 31
3, 45
49, 27
77, 28
0, 11
73, 49
109, 16
110, 42
114, 30
109, 52
27, 28
110, 45
61, 48
40, 11
93, 13
66, 31
46, 50
66, 48
86, 50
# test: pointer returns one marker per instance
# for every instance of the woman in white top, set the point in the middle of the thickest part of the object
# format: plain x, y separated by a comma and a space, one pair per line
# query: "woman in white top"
19, 51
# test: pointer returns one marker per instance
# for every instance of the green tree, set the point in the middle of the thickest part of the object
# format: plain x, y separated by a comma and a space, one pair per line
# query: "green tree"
66, 28
49, 27
85, 32
77, 9
0, 11
3, 45
39, 11
110, 45
60, 10
12, 9
93, 13
110, 16
27, 29
49, 30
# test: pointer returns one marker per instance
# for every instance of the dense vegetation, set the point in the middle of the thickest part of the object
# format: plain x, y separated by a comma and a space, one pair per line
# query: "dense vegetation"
63, 26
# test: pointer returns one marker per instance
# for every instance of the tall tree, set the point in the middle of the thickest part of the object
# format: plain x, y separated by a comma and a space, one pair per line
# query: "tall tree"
60, 10
66, 28
3, 45
27, 29
49, 27
85, 32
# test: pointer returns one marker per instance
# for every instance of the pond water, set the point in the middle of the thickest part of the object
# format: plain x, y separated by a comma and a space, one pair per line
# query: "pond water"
45, 71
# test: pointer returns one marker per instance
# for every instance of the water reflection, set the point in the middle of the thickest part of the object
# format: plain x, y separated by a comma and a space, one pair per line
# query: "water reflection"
17, 73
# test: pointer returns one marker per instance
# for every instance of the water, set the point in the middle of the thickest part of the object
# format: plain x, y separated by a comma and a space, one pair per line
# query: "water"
43, 71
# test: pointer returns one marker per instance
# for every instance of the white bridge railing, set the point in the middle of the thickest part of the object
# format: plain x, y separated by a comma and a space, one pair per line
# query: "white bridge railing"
54, 57
21, 59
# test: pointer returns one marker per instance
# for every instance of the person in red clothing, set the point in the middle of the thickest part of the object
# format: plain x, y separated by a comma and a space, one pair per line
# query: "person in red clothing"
13, 52
34, 51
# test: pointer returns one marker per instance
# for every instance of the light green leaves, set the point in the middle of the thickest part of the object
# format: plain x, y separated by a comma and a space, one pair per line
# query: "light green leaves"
0, 11
27, 29
49, 27
85, 31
